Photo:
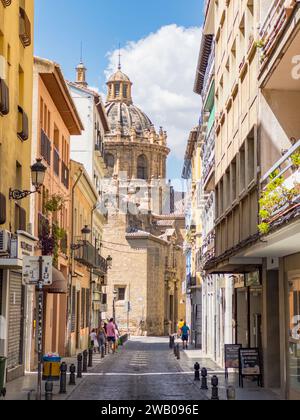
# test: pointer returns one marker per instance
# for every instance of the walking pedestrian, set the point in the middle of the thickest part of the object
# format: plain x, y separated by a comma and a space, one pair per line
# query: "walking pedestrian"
179, 327
101, 336
185, 333
94, 340
111, 335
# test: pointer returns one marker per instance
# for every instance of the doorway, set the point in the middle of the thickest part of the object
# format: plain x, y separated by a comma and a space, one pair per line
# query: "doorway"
78, 320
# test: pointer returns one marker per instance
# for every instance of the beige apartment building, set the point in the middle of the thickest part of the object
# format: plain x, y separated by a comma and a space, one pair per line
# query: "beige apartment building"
257, 176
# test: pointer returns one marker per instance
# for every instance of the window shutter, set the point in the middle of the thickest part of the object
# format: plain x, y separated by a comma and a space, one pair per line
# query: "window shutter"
2, 209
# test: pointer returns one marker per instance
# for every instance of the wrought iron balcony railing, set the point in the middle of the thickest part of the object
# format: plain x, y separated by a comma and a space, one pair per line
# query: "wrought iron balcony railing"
274, 24
45, 147
280, 188
86, 254
24, 28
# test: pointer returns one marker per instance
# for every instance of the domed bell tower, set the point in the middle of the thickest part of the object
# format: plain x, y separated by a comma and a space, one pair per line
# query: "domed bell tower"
119, 88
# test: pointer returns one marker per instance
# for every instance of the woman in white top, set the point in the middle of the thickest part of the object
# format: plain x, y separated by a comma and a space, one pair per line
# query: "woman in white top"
94, 341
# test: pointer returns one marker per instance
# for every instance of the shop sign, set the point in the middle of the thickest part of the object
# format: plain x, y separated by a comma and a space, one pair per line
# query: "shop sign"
253, 279
31, 270
250, 364
232, 357
232, 360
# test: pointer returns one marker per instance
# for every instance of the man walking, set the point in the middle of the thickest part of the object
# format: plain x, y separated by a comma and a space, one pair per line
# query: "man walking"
111, 335
185, 333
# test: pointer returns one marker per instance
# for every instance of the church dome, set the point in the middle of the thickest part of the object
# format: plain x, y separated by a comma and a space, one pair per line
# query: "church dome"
126, 116
122, 114
119, 76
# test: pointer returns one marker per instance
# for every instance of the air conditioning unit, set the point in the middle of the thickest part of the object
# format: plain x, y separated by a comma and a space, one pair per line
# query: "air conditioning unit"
5, 238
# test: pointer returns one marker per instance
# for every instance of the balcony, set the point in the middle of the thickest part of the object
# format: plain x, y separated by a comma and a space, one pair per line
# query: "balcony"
6, 3
274, 25
208, 247
210, 70
24, 28
86, 254
23, 124
65, 175
191, 281
280, 198
56, 161
45, 147
64, 244
208, 158
4, 98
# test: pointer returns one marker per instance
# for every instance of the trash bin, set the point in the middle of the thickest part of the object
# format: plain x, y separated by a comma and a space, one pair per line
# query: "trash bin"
2, 376
51, 368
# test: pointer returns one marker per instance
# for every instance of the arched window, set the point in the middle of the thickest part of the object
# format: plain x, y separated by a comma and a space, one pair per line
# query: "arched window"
142, 167
110, 163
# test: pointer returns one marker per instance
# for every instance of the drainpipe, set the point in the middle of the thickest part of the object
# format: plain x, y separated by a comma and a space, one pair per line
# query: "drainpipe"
69, 304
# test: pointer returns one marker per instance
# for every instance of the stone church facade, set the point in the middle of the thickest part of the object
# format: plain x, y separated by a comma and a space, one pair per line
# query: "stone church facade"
144, 235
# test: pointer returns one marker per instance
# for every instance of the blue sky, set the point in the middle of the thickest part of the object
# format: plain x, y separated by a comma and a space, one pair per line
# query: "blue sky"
61, 26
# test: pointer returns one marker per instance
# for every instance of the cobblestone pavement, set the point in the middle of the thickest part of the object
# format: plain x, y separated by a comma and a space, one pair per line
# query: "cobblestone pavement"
144, 370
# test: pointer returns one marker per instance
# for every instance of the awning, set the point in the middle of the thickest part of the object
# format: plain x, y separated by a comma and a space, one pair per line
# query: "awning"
59, 283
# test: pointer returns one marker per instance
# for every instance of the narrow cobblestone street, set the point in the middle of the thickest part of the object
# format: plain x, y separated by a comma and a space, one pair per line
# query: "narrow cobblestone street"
144, 370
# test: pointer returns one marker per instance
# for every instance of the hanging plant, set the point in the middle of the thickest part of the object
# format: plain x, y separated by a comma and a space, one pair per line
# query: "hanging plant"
52, 234
260, 43
275, 196
296, 159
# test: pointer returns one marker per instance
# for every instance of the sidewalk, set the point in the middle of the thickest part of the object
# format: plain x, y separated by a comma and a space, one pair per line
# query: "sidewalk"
249, 392
24, 388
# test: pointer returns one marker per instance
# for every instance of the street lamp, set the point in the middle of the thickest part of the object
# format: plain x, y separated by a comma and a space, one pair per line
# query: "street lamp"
109, 261
115, 294
38, 171
85, 232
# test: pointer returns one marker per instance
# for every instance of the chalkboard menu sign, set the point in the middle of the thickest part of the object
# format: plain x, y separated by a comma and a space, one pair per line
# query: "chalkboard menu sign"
250, 364
232, 358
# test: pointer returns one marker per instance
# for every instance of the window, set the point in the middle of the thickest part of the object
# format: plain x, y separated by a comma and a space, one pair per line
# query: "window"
142, 169
251, 161
125, 91
242, 169
87, 308
20, 218
73, 319
121, 293
83, 296
110, 163
233, 186
2, 209
117, 89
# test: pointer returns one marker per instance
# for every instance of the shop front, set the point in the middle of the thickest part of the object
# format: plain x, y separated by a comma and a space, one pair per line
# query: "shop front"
248, 309
13, 301
292, 276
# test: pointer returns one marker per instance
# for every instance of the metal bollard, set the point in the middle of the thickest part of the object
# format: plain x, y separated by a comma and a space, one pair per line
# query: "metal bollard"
79, 365
72, 375
231, 394
85, 362
49, 391
106, 348
178, 352
170, 342
215, 389
197, 371
90, 357
204, 386
63, 378
175, 351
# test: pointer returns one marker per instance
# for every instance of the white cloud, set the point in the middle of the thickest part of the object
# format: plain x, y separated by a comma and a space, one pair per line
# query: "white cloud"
162, 68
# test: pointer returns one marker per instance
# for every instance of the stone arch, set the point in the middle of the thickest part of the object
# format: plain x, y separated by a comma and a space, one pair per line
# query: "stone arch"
142, 167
